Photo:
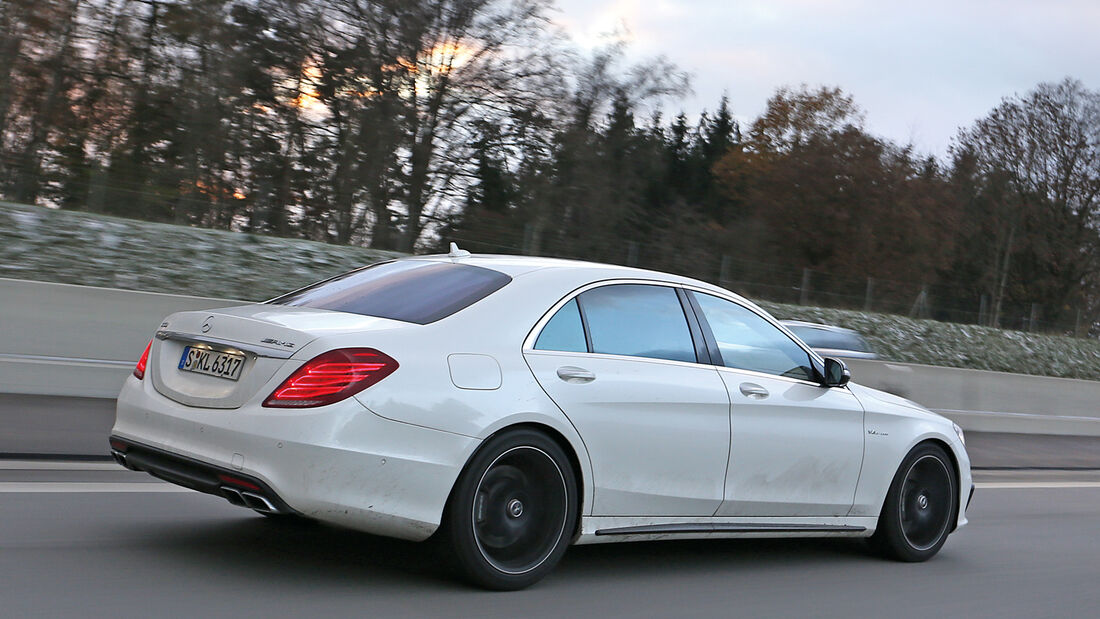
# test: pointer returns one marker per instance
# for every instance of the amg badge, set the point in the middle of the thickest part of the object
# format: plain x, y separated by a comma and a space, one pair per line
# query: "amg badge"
271, 340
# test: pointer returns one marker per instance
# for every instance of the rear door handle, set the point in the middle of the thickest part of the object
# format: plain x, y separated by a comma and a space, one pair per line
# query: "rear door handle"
753, 391
572, 374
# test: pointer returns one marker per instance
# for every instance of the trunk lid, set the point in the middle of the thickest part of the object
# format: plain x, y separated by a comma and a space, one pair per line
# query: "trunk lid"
260, 339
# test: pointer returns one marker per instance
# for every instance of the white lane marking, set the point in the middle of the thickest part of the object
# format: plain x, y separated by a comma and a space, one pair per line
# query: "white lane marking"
1024, 415
1027, 485
93, 487
51, 486
64, 360
57, 465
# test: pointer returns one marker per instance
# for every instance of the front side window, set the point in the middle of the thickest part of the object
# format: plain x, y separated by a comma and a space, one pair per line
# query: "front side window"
747, 341
418, 291
637, 320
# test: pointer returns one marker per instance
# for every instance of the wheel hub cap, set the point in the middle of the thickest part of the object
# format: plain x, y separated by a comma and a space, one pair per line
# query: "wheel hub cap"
922, 501
515, 508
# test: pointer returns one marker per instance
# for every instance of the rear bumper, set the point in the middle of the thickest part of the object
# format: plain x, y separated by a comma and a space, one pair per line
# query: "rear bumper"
339, 463
234, 486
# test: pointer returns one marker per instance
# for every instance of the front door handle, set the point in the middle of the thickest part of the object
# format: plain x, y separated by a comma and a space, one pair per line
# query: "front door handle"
572, 374
753, 391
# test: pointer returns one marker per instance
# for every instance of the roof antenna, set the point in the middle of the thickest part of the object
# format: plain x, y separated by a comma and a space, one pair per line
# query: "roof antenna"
456, 252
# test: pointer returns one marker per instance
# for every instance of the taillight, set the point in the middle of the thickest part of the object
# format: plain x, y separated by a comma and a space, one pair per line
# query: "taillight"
139, 371
331, 377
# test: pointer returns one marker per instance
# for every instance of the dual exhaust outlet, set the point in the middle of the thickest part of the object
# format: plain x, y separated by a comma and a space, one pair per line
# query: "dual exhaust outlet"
236, 496
251, 500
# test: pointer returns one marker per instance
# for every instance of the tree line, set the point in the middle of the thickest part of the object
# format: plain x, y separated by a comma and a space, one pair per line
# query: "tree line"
405, 125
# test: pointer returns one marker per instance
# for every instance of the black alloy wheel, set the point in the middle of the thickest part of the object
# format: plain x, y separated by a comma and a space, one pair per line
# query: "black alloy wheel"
920, 507
513, 511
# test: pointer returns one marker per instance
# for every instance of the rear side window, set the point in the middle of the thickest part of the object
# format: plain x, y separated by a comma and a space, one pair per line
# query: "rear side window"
638, 320
564, 332
416, 291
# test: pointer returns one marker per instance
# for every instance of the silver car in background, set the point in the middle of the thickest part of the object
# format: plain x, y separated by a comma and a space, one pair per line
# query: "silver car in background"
831, 341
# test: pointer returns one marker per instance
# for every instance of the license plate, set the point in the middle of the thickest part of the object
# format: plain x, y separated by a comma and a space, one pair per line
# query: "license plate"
212, 362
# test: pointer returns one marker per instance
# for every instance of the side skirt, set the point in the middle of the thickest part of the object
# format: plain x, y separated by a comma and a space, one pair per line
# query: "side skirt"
597, 530
686, 527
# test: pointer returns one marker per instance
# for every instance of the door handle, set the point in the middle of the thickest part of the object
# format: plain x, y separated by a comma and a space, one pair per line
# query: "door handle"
753, 391
571, 374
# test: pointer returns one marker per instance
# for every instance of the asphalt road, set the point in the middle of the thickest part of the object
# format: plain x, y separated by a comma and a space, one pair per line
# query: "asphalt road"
54, 425
91, 540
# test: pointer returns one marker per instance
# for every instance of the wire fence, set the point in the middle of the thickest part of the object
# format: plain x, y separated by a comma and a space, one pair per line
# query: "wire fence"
916, 300
751, 278
809, 287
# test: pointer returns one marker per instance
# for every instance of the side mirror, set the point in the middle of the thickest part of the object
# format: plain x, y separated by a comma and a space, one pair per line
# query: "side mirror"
837, 373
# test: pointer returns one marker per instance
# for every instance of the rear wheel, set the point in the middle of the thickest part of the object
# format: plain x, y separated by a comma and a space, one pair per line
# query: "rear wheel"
920, 507
513, 511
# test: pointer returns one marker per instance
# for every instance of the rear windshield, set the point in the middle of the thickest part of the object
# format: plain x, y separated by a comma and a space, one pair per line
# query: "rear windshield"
408, 290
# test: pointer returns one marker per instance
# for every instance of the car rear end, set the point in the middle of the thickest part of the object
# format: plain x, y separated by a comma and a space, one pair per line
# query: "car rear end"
257, 404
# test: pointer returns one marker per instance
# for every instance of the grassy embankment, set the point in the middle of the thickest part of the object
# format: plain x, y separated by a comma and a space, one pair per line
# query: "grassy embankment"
78, 248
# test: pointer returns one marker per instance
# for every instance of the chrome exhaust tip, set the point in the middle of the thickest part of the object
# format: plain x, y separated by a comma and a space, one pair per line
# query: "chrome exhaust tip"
259, 503
251, 500
233, 496
120, 458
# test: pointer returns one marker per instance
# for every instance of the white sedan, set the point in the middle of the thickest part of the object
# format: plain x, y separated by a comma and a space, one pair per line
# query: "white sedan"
512, 406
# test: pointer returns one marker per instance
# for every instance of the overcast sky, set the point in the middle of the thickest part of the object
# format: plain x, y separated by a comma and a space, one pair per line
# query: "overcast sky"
920, 70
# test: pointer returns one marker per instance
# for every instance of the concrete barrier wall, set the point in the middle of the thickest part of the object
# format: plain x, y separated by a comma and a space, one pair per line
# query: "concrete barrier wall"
65, 340
991, 401
78, 341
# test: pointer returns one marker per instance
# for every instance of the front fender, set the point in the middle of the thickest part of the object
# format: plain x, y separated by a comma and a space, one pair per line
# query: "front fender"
889, 439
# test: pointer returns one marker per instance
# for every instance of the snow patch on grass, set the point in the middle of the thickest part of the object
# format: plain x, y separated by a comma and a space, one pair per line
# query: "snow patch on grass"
898, 338
94, 250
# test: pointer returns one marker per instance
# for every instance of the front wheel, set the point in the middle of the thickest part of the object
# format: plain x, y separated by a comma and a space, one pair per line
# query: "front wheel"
920, 507
513, 511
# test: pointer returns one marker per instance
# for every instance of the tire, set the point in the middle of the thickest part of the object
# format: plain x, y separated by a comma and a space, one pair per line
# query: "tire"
920, 507
513, 511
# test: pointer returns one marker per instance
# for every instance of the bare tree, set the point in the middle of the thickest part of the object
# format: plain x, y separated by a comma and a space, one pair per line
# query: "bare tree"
1047, 145
49, 91
405, 85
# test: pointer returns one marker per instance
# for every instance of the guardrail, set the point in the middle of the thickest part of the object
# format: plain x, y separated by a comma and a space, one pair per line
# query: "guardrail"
65, 350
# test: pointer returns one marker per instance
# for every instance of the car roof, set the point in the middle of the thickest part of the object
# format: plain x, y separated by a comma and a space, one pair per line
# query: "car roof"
516, 266
565, 274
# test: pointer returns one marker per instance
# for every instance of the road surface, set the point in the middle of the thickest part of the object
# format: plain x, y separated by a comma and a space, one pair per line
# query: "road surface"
94, 540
